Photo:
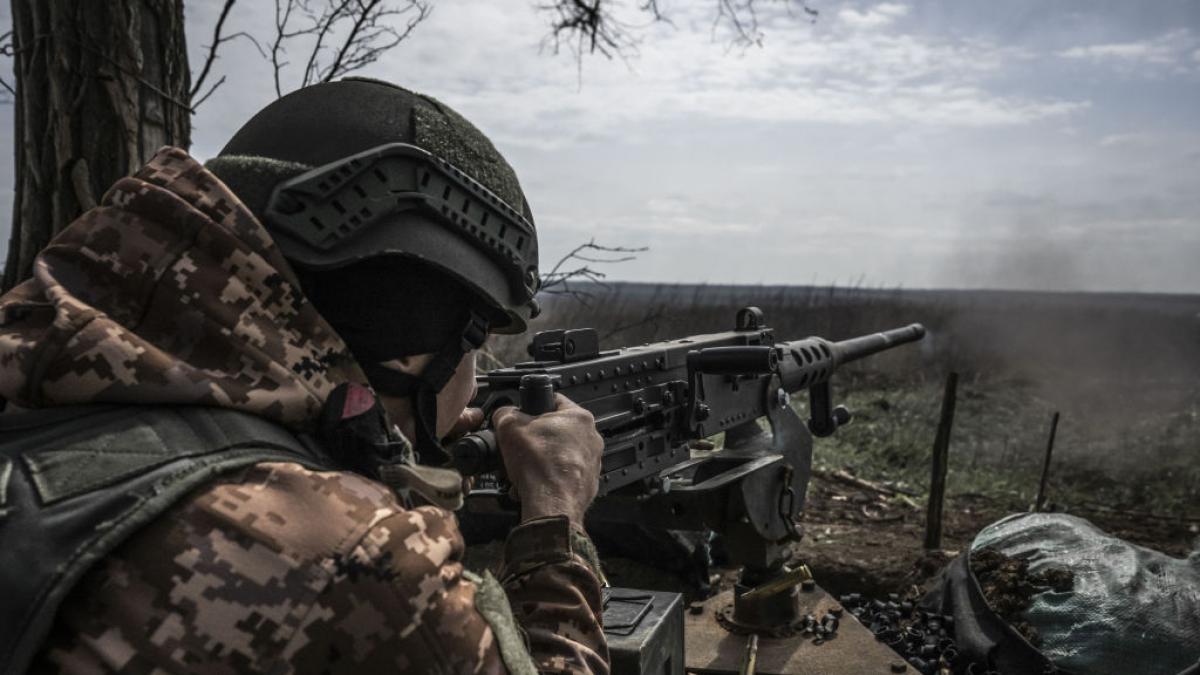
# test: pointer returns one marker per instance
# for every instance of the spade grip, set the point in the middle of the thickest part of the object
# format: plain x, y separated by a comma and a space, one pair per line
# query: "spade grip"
537, 394
477, 452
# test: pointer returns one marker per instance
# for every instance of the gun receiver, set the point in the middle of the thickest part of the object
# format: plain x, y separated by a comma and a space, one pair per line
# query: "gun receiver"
653, 402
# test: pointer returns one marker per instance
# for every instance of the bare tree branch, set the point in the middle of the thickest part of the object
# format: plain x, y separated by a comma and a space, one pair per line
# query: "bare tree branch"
559, 281
283, 14
604, 260
593, 26
341, 36
211, 57
742, 19
212, 49
651, 7
7, 51
589, 26
323, 26
196, 103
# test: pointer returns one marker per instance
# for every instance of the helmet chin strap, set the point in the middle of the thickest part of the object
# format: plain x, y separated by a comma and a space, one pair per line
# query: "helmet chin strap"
422, 389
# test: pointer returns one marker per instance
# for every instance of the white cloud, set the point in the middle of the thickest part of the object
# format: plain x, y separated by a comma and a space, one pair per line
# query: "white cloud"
878, 16
828, 73
1136, 138
678, 214
1170, 48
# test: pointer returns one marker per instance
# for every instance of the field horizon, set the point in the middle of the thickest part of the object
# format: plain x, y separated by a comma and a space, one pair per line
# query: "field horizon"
1123, 369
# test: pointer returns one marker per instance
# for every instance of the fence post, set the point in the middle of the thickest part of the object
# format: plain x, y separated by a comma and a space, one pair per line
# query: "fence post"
1041, 493
941, 454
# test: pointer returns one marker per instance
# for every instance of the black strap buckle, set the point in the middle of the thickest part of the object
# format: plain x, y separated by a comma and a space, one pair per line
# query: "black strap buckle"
475, 332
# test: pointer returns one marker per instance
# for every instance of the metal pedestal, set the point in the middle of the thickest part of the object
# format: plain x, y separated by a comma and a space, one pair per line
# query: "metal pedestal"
854, 650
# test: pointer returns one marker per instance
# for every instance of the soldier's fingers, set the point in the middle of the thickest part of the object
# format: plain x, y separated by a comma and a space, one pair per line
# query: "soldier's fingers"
564, 403
502, 415
469, 420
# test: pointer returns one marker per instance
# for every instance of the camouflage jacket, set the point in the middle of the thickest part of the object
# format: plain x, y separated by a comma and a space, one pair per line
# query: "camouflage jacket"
171, 292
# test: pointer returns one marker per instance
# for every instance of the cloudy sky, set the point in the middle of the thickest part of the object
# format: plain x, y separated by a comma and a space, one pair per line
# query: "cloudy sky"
1016, 144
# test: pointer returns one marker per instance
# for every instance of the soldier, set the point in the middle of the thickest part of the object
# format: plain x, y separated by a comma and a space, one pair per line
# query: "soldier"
198, 479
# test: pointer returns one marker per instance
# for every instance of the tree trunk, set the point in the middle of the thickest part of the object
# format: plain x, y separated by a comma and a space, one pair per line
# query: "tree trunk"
100, 86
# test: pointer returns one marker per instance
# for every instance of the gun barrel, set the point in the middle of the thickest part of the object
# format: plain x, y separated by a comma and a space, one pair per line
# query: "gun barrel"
813, 360
857, 348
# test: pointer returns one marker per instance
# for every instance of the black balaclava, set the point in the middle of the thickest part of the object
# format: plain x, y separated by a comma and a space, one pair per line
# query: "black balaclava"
388, 307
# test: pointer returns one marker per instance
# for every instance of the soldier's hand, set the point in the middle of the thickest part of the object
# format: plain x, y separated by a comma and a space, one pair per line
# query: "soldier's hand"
552, 460
468, 420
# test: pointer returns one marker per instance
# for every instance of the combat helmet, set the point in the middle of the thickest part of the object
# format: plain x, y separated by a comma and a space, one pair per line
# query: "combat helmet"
361, 170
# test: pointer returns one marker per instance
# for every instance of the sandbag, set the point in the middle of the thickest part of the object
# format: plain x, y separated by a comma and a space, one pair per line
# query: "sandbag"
1130, 609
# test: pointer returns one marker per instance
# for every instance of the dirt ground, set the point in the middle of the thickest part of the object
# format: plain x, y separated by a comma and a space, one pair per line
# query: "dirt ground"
867, 541
871, 540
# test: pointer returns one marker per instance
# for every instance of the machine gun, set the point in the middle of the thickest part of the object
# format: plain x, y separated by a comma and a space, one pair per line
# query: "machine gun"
653, 402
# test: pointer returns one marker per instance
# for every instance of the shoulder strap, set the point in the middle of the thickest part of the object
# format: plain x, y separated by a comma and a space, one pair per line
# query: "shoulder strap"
76, 482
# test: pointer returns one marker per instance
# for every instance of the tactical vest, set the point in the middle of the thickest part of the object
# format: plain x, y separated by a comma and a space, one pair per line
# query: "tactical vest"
75, 482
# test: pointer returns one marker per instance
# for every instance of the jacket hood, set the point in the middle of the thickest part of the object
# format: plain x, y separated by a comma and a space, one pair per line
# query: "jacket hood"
169, 292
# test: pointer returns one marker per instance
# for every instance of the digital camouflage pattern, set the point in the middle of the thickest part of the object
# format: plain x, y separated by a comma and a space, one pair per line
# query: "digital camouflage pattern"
241, 578
171, 292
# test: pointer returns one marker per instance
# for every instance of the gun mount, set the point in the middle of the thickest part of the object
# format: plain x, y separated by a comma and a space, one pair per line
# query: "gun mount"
653, 402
